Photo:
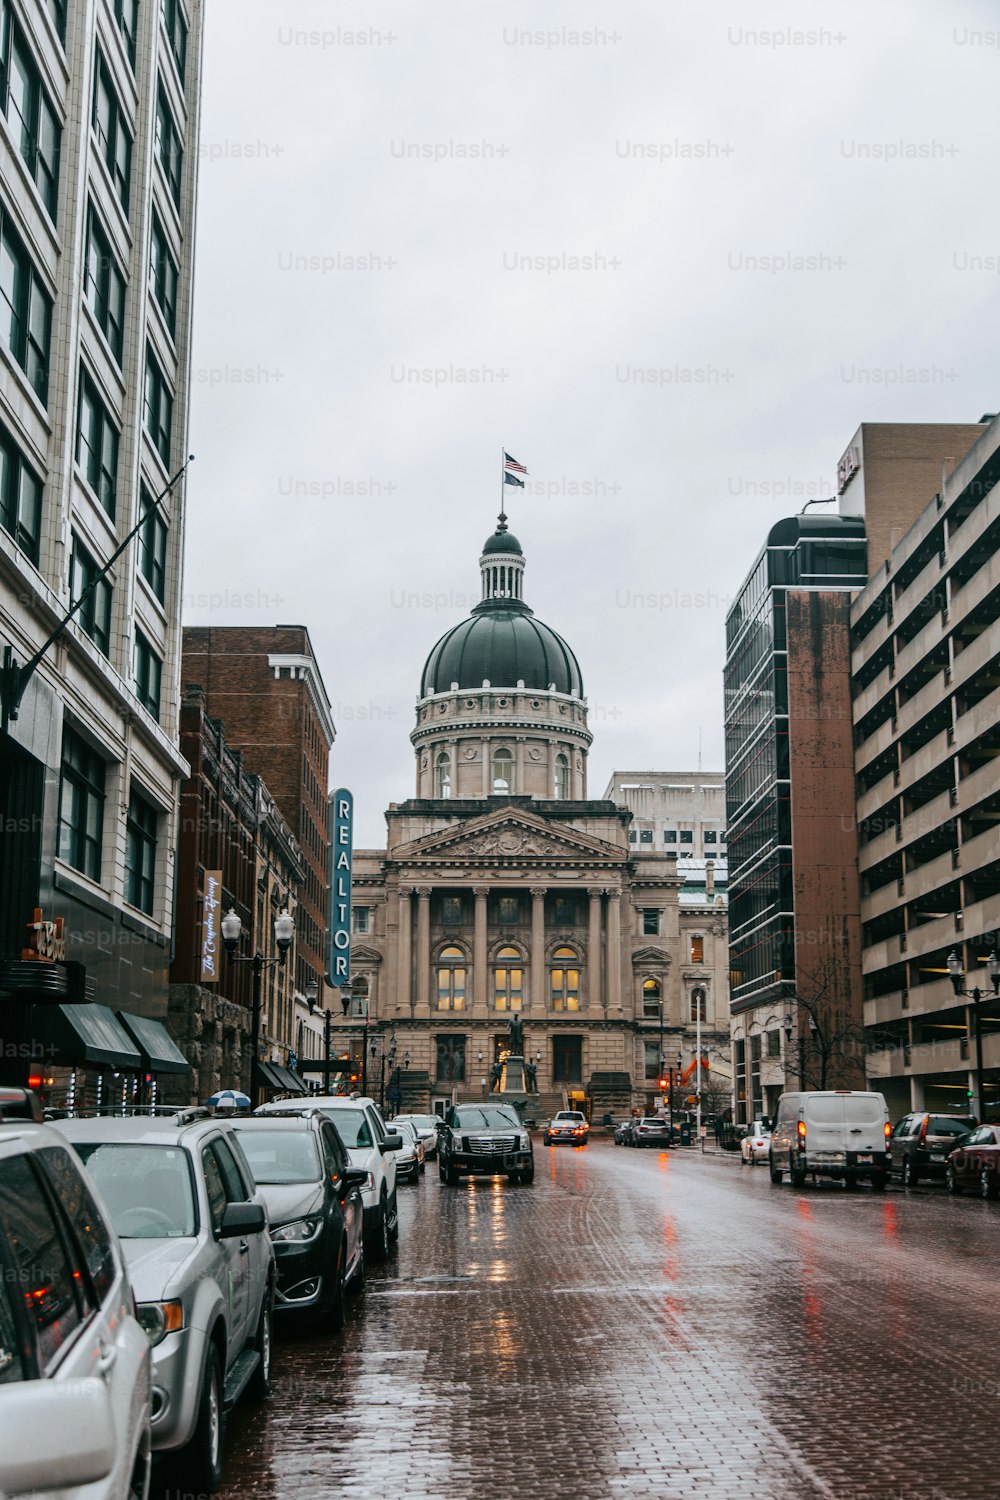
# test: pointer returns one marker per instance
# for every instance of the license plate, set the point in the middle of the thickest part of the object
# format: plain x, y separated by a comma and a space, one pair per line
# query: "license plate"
865, 1157
937, 1156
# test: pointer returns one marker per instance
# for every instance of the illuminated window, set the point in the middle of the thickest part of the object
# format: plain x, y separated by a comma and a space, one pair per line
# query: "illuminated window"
561, 791
508, 980
652, 995
503, 773
451, 979
564, 980
442, 776
697, 949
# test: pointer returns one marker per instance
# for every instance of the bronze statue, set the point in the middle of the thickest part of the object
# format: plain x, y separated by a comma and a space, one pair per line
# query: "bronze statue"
531, 1073
495, 1073
516, 1036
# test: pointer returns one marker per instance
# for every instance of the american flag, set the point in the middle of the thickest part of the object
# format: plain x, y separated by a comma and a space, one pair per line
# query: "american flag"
513, 465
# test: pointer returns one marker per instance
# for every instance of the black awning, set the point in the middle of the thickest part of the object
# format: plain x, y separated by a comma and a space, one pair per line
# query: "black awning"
75, 1035
269, 1076
290, 1082
160, 1053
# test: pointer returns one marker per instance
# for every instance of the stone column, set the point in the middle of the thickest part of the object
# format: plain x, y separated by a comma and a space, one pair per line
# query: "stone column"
487, 757
551, 773
479, 997
404, 962
614, 950
519, 766
594, 987
536, 994
424, 949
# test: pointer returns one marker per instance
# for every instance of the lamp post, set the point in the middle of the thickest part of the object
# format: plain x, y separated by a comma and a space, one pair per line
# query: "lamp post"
284, 931
788, 1028
957, 976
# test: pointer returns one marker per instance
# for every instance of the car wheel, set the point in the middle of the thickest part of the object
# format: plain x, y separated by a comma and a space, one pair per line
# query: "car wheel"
449, 1174
987, 1183
951, 1182
259, 1388
776, 1172
528, 1174
358, 1281
379, 1242
200, 1463
880, 1181
393, 1221
910, 1175
334, 1312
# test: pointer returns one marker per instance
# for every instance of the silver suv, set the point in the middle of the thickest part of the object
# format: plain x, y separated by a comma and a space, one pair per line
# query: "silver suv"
74, 1363
370, 1148
194, 1229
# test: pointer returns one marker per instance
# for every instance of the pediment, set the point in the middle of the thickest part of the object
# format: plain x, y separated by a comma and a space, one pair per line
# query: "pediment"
361, 953
650, 955
505, 836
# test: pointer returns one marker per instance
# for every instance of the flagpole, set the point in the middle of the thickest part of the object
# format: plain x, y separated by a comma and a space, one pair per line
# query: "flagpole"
503, 480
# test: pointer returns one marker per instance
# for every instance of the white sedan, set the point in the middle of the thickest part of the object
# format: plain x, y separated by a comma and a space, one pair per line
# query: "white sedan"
756, 1144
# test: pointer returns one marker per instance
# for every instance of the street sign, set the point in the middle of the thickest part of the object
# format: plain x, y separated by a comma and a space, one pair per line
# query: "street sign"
338, 935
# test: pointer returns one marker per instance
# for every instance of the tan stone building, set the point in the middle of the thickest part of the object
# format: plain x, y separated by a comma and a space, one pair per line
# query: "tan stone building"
503, 889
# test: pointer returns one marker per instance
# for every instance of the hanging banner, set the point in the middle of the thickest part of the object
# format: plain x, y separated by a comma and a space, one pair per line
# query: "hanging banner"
338, 926
211, 936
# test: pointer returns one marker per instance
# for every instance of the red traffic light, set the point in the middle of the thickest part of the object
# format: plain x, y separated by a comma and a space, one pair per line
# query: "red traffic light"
663, 1084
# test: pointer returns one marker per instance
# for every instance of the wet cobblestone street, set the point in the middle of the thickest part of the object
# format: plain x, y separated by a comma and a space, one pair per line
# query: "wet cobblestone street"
642, 1324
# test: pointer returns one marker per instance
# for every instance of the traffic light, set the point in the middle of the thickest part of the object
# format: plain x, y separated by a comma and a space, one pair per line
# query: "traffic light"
664, 1085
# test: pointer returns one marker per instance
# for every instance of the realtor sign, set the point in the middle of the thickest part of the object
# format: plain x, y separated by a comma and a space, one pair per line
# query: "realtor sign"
211, 936
338, 962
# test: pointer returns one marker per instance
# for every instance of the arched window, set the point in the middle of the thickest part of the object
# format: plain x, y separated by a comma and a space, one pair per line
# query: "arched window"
359, 996
699, 1005
561, 791
503, 773
564, 979
652, 998
508, 980
442, 775
451, 979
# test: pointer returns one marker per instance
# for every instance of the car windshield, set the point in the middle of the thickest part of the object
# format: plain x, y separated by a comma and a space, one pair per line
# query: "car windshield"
484, 1118
147, 1188
406, 1130
422, 1122
351, 1126
281, 1156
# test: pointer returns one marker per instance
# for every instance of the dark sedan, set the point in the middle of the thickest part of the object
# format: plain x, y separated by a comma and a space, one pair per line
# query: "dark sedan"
975, 1163
314, 1205
487, 1139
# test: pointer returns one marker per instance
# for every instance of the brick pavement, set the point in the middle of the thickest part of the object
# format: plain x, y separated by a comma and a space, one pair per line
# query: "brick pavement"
653, 1327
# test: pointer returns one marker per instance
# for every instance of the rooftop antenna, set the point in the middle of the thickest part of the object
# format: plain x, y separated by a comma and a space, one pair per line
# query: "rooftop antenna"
828, 500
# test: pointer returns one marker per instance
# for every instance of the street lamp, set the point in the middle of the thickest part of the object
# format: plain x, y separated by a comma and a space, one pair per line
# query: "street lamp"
957, 976
284, 932
788, 1028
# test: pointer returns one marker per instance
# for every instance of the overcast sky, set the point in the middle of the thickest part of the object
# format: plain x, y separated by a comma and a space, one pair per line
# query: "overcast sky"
427, 230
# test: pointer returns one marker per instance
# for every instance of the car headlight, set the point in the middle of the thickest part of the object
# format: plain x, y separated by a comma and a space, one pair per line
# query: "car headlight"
298, 1232
524, 1144
157, 1319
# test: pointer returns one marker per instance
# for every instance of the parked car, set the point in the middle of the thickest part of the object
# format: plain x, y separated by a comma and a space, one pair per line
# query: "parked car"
568, 1125
194, 1229
426, 1128
838, 1133
651, 1130
484, 1138
975, 1163
371, 1148
410, 1160
920, 1144
755, 1146
313, 1198
74, 1360
622, 1133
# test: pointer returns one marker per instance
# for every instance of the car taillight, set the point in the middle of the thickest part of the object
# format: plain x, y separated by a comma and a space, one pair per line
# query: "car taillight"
802, 1130
888, 1129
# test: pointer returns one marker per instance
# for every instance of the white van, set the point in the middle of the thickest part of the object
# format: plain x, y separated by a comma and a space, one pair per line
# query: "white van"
841, 1133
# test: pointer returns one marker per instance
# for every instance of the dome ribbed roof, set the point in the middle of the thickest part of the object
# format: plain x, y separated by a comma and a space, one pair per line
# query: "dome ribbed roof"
502, 541
502, 644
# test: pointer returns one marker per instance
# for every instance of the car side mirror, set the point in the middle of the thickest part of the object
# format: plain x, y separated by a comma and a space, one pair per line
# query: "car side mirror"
391, 1143
32, 1411
242, 1218
354, 1177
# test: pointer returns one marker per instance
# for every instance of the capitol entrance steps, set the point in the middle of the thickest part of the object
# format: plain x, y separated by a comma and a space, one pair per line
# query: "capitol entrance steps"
538, 1108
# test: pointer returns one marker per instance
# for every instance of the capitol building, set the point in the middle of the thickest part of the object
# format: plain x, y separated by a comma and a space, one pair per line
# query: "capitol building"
503, 888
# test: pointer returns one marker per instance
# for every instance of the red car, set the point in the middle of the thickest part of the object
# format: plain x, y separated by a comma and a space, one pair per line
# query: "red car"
976, 1163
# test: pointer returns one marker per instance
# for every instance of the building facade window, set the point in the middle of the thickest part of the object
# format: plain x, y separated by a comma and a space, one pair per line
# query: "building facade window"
140, 853
687, 835
710, 836
633, 837
177, 31
565, 911
97, 444
29, 111
699, 1004
645, 836
651, 922
774, 1043
451, 911
442, 775
651, 1060
153, 546
503, 773
361, 919
697, 948
670, 835
163, 274
360, 996
561, 791
451, 975
147, 675
450, 1058
25, 311
94, 614
158, 408
167, 145
127, 15
104, 286
113, 137
57, 10
652, 999
81, 805
20, 498
564, 980
508, 911
508, 980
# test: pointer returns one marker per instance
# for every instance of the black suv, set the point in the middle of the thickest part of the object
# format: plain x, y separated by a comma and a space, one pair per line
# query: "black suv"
314, 1205
920, 1143
484, 1138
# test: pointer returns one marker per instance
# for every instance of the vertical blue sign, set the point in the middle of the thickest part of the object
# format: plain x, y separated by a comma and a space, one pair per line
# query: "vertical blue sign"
341, 824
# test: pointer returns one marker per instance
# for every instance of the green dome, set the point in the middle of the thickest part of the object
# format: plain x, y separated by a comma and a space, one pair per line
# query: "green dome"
502, 644
502, 541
